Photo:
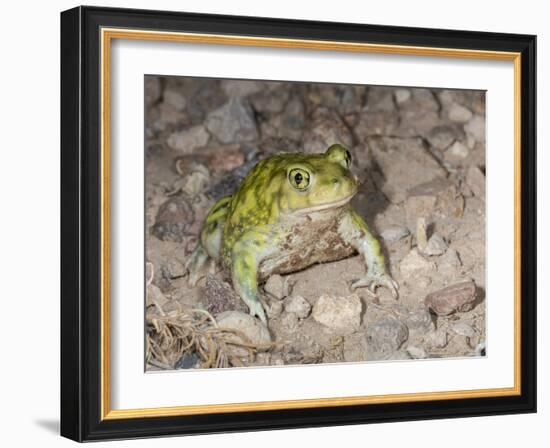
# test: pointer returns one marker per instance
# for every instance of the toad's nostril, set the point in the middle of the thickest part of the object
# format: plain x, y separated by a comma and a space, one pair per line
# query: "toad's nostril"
335, 181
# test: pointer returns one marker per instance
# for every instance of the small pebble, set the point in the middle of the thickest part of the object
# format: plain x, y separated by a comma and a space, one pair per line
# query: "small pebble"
233, 122
415, 264
275, 286
402, 95
459, 113
175, 99
275, 309
437, 339
416, 352
385, 337
298, 305
340, 314
253, 328
436, 245
458, 297
188, 140
463, 329
394, 233
188, 360
419, 320
457, 151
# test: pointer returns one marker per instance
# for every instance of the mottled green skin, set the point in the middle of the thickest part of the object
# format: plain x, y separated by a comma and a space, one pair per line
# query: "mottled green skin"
269, 225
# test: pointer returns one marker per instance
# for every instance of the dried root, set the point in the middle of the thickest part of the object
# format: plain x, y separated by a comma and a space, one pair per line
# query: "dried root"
171, 334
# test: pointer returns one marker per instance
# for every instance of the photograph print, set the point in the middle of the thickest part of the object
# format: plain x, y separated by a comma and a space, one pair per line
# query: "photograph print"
306, 223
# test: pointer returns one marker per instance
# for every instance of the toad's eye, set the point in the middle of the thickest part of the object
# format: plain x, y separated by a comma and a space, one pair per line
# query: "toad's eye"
299, 178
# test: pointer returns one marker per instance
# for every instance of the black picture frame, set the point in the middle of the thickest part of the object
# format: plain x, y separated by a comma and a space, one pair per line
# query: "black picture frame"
81, 224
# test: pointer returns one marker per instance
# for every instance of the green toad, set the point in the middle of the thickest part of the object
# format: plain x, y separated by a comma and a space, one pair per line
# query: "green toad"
290, 212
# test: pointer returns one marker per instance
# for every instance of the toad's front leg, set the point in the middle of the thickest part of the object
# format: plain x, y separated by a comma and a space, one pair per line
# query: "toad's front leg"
354, 231
245, 259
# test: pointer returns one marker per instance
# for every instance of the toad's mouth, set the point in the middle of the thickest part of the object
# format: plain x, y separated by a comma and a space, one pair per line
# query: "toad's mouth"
328, 205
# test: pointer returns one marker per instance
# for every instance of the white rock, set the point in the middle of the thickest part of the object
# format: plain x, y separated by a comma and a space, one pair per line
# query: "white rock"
394, 233
436, 245
463, 329
340, 314
195, 182
457, 151
188, 140
402, 95
437, 339
253, 328
459, 113
415, 264
416, 352
476, 128
298, 305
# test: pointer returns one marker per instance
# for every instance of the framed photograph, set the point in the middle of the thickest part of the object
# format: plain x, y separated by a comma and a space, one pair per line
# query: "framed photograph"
276, 224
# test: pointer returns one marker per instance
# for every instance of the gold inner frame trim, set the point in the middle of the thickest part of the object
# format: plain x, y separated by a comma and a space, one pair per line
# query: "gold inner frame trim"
107, 35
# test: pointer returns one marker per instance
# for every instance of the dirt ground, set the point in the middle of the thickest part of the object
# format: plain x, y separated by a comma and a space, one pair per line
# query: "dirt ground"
420, 158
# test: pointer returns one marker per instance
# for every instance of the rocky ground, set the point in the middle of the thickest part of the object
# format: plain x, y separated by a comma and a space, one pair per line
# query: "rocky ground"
420, 157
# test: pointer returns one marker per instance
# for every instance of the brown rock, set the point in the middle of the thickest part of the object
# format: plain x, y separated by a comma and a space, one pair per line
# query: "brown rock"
218, 296
173, 219
458, 297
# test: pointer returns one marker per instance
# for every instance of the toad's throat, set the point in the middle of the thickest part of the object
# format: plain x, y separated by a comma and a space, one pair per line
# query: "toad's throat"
320, 207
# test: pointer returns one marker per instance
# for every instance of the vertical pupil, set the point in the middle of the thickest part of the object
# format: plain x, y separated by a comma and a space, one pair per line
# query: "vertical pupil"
298, 178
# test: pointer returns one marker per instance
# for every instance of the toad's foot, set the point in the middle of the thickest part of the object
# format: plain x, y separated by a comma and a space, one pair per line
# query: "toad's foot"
257, 309
372, 281
197, 265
